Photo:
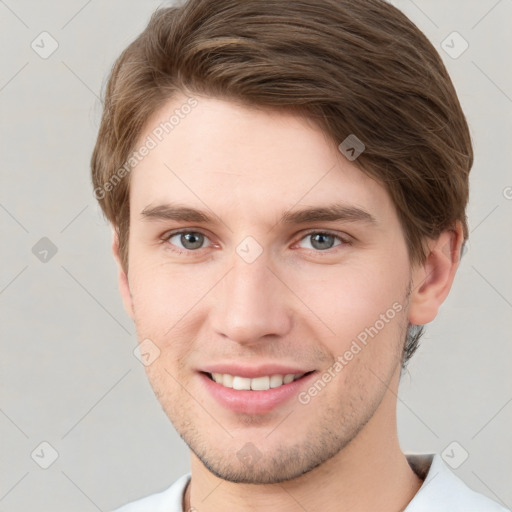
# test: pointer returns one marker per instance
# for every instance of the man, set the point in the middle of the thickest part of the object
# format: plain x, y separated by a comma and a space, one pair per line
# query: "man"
287, 182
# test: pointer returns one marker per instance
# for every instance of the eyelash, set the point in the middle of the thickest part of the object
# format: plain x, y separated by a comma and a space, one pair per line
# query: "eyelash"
173, 248
343, 241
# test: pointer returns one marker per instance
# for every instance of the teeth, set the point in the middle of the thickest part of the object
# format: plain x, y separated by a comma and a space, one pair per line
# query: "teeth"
260, 383
256, 384
226, 380
288, 378
276, 381
241, 383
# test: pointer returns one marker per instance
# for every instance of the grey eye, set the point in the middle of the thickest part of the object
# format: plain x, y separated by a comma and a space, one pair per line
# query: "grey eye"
189, 240
321, 241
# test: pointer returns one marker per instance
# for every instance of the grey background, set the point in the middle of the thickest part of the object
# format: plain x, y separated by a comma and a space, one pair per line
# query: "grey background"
68, 373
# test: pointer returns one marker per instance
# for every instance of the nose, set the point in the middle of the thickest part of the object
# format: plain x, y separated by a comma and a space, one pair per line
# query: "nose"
251, 303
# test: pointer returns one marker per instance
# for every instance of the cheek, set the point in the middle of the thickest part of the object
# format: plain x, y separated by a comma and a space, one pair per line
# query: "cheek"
168, 305
362, 302
163, 294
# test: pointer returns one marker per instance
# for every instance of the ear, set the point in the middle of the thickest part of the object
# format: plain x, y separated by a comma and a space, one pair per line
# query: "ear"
432, 280
122, 278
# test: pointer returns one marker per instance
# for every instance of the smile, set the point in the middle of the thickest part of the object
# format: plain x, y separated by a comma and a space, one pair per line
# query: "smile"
256, 384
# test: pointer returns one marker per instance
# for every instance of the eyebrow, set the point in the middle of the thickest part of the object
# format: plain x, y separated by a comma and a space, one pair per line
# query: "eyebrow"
330, 213
175, 212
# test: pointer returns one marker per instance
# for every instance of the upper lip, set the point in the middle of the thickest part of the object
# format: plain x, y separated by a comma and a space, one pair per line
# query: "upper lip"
252, 372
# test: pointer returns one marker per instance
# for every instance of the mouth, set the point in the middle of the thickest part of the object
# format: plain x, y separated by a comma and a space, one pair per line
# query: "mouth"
256, 391
262, 383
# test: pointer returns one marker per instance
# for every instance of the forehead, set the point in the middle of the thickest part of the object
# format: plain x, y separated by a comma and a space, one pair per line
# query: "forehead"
232, 158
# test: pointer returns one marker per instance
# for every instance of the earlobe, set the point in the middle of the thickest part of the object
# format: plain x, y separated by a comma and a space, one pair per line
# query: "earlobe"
124, 285
432, 280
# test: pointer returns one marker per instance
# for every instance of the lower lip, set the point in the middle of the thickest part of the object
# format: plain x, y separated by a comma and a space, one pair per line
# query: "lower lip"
254, 402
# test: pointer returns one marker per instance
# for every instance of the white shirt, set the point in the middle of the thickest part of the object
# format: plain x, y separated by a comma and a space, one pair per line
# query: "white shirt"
441, 491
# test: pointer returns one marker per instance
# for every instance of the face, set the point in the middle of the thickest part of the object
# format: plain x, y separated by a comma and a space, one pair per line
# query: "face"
256, 251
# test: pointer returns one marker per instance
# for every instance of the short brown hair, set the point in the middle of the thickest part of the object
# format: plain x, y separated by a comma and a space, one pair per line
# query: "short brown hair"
354, 67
